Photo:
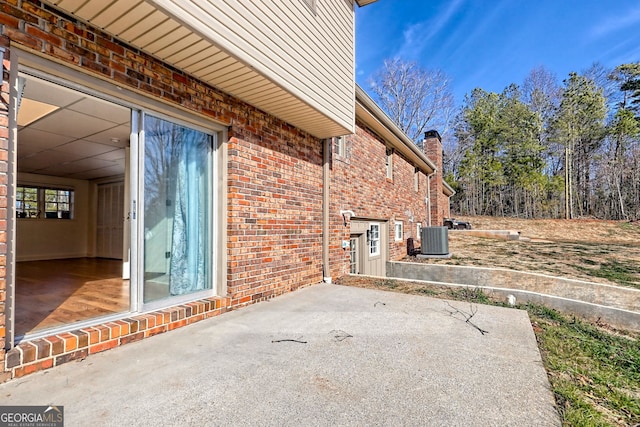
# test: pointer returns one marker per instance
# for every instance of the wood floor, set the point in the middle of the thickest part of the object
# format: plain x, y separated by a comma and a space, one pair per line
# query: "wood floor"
59, 292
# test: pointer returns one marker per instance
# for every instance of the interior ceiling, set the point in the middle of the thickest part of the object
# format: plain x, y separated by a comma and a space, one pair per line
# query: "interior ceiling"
65, 133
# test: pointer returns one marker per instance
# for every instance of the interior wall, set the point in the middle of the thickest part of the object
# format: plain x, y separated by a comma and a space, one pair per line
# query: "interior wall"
39, 239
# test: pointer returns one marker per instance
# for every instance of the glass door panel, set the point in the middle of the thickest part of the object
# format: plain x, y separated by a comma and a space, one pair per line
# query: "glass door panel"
177, 210
353, 255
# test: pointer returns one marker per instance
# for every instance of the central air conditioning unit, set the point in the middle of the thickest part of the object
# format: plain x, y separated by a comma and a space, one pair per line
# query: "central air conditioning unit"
435, 241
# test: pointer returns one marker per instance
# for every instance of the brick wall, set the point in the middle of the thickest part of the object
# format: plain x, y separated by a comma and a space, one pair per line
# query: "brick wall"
359, 183
275, 211
274, 170
4, 144
438, 201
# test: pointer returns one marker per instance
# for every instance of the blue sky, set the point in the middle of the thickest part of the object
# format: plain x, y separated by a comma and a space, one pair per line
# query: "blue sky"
490, 44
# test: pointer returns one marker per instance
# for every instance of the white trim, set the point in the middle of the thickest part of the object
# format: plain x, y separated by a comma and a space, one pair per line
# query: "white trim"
398, 234
374, 250
12, 184
212, 202
340, 145
389, 163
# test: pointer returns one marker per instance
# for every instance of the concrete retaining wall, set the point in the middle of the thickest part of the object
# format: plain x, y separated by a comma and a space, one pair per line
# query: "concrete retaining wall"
615, 305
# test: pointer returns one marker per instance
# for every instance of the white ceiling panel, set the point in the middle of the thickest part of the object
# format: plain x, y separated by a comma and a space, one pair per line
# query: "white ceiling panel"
84, 148
40, 139
104, 172
116, 155
102, 109
71, 123
56, 144
43, 159
50, 93
116, 137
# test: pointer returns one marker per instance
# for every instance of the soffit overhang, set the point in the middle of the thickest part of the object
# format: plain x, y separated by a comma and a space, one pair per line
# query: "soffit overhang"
156, 27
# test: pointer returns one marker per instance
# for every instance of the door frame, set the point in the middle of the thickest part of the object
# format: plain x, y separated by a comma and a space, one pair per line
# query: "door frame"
138, 103
376, 264
137, 209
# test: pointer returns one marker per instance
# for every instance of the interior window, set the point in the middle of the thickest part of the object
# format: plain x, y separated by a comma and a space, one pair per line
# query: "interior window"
48, 203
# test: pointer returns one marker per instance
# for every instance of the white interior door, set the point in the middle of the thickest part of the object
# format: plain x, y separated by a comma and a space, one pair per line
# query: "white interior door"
110, 223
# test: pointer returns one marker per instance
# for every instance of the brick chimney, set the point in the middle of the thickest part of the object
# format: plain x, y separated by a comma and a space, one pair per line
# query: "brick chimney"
432, 146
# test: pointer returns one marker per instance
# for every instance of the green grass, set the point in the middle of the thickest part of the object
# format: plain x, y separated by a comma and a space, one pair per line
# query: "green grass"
594, 374
625, 274
469, 294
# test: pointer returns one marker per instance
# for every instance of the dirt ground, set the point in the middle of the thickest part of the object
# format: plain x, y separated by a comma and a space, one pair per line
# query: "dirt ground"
585, 249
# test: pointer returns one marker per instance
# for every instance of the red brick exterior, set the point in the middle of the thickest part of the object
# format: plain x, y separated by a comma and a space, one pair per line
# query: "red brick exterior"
438, 200
4, 145
275, 211
274, 189
359, 183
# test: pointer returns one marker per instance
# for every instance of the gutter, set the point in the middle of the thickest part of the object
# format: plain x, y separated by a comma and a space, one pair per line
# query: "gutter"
447, 187
381, 122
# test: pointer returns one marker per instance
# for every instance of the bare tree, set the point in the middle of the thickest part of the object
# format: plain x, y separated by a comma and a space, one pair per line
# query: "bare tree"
417, 99
542, 93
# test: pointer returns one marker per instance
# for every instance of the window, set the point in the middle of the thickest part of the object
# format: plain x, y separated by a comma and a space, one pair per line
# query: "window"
374, 239
398, 230
353, 255
339, 146
178, 207
389, 164
27, 202
57, 203
31, 202
418, 231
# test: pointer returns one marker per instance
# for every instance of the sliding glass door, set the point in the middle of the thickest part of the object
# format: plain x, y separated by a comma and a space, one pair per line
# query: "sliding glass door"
177, 210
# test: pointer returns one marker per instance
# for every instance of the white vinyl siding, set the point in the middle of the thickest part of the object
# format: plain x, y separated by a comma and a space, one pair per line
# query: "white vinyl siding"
273, 55
286, 42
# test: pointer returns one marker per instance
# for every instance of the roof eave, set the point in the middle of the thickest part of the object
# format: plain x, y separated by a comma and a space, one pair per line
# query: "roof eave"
371, 114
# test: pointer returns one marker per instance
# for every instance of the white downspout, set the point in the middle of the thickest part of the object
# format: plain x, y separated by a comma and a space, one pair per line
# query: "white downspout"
427, 200
326, 178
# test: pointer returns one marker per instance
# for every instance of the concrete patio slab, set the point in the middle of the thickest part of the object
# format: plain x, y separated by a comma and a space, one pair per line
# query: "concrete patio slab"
324, 355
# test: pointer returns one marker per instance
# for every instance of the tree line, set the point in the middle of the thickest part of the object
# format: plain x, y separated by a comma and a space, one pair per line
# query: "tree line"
542, 149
